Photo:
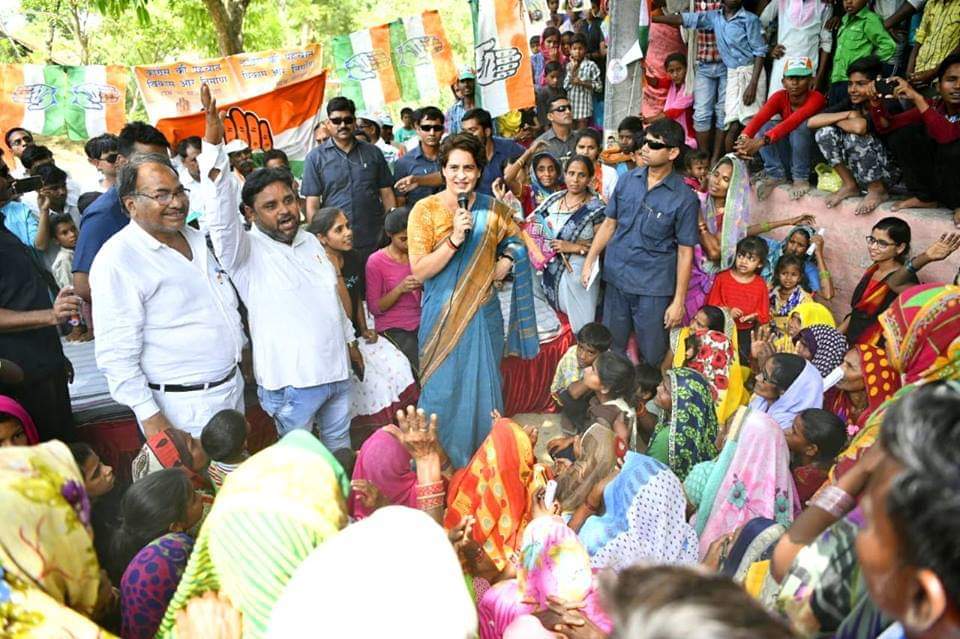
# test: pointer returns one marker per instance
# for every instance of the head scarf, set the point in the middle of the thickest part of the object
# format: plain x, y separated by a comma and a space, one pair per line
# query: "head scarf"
277, 507
495, 487
46, 542
386, 463
814, 313
806, 391
827, 344
750, 479
719, 364
538, 192
644, 520
692, 423
12, 407
149, 582
597, 458
777, 247
736, 215
167, 449
391, 574
553, 563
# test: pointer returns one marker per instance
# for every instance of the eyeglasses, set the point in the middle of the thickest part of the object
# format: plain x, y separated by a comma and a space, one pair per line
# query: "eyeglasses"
561, 109
347, 120
872, 241
165, 198
431, 128
655, 146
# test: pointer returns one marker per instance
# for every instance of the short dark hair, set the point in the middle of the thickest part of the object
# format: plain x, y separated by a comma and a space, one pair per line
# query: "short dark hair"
826, 430
753, 245
260, 179
463, 142
787, 367
97, 146
795, 261
949, 61
583, 160
396, 220
550, 31
616, 373
630, 123
51, 174
578, 38
56, 219
428, 113
192, 142
593, 134
34, 153
128, 173
716, 320
341, 103
81, 451
87, 199
139, 133
6, 136
899, 232
694, 155
667, 130
870, 66
276, 154
556, 97
406, 110
595, 335
482, 116
648, 377
675, 57
921, 432
224, 435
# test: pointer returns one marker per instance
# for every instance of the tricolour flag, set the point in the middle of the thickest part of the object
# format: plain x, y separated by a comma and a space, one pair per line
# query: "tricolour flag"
81, 102
408, 59
281, 119
639, 48
502, 50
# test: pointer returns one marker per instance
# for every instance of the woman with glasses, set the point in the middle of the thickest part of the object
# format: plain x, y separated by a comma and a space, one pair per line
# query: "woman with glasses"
785, 386
462, 245
892, 272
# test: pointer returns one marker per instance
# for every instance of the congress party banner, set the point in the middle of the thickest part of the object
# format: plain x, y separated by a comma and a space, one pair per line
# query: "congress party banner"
283, 119
408, 59
173, 89
502, 50
77, 101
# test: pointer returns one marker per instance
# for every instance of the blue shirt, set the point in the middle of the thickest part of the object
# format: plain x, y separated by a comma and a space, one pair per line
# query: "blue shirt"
641, 257
20, 220
100, 221
351, 182
416, 163
504, 150
739, 39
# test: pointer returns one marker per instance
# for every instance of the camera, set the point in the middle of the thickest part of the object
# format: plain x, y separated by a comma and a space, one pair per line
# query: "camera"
26, 185
884, 86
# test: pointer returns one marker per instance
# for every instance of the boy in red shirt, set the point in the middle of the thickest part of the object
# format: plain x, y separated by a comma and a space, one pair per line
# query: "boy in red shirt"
786, 146
743, 291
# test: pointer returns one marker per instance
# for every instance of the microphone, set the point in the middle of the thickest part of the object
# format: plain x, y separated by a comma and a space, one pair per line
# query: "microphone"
462, 201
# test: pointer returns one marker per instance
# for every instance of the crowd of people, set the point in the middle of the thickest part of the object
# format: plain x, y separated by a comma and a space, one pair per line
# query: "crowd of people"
526, 382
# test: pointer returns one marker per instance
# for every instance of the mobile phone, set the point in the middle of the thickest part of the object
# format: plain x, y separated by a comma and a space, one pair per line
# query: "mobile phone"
884, 86
26, 185
551, 494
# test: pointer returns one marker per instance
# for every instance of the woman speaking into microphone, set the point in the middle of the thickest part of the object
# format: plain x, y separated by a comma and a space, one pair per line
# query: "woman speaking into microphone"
460, 253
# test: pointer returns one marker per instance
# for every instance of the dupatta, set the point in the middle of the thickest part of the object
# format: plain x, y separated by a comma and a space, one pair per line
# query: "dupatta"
692, 426
536, 193
732, 227
386, 463
805, 392
719, 363
776, 250
12, 407
827, 344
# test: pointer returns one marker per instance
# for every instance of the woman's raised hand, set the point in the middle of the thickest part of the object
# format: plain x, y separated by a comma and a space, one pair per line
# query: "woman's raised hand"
942, 248
417, 434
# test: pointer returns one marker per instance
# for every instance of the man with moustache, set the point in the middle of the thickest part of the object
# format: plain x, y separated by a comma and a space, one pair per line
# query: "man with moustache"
282, 272
418, 171
350, 175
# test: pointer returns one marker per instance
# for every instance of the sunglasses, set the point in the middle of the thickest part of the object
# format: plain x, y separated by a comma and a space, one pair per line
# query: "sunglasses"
432, 128
561, 109
347, 120
653, 145
110, 158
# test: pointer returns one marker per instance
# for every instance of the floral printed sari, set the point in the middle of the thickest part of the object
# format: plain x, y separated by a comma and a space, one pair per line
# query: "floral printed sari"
719, 363
689, 434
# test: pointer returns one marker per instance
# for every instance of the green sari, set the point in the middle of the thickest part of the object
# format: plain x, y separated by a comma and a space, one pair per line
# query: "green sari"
688, 436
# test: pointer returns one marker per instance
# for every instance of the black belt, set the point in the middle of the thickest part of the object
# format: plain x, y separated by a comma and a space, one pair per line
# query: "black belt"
186, 388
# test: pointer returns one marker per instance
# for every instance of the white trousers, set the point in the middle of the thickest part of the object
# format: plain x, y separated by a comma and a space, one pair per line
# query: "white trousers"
190, 411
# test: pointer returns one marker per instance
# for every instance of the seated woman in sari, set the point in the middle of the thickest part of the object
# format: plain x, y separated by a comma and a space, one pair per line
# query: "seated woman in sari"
596, 455
802, 316
815, 439
644, 518
868, 381
545, 177
687, 431
460, 255
567, 221
751, 478
786, 385
821, 345
711, 354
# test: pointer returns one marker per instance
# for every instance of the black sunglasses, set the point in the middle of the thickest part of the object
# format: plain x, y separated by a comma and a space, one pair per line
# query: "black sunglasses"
560, 109
347, 120
435, 128
110, 158
656, 146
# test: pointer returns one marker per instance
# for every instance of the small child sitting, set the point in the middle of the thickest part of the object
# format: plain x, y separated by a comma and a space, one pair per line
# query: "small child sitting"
696, 165
743, 291
648, 413
789, 291
567, 390
224, 439
64, 232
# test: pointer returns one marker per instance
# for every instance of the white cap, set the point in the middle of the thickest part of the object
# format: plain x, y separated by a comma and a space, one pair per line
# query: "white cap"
236, 145
372, 117
386, 120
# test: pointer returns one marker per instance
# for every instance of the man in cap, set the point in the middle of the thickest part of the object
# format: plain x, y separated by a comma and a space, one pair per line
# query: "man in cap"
372, 125
466, 87
786, 146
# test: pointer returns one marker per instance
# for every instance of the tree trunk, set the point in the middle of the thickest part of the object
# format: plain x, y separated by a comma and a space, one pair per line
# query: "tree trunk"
227, 17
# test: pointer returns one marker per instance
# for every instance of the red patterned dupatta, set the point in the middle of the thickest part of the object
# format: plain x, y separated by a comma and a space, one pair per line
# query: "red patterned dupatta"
870, 298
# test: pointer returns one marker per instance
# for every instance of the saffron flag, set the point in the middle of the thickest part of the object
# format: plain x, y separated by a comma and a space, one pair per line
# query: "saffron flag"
639, 48
408, 59
280, 119
502, 51
80, 102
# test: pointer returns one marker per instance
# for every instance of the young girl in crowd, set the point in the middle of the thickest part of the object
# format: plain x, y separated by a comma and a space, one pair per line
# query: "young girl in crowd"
393, 293
815, 439
696, 165
604, 175
679, 103
385, 381
743, 291
789, 290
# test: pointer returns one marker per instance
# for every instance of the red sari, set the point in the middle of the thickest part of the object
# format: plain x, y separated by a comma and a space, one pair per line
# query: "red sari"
870, 298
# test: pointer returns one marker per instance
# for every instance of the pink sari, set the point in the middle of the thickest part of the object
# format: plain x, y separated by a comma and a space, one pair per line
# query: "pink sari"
664, 40
679, 108
553, 563
12, 407
384, 461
